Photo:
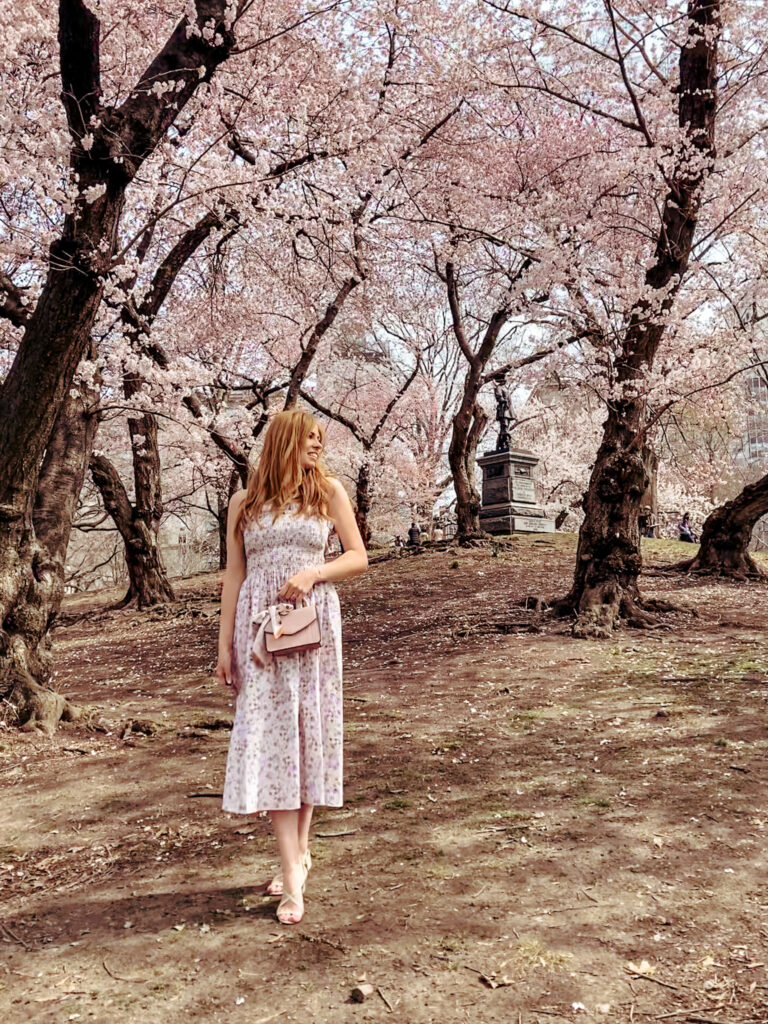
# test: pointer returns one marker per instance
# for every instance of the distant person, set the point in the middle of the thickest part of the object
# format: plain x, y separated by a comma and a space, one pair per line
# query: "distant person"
685, 530
414, 536
399, 543
285, 749
438, 533
647, 523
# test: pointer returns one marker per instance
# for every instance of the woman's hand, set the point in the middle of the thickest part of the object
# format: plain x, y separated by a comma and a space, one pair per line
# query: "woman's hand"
298, 586
223, 671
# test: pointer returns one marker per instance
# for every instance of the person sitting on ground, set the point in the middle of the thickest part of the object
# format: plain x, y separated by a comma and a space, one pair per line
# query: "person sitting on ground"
414, 536
685, 530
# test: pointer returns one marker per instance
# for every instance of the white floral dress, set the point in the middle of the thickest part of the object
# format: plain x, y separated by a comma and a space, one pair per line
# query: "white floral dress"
286, 743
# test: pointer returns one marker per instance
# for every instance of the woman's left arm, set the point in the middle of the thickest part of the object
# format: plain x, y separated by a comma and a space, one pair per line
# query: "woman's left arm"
352, 562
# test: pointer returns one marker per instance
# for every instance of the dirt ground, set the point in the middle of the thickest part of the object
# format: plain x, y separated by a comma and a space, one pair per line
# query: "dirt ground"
536, 828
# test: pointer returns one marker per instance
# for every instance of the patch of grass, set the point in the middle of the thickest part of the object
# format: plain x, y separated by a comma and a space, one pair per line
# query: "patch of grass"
744, 664
595, 801
533, 952
398, 804
441, 871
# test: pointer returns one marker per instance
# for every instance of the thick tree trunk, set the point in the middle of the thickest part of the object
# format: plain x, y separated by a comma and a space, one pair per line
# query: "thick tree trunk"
56, 338
149, 584
727, 531
363, 501
468, 427
608, 560
36, 705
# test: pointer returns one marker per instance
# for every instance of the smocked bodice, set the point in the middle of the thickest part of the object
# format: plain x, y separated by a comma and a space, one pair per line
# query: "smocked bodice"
290, 540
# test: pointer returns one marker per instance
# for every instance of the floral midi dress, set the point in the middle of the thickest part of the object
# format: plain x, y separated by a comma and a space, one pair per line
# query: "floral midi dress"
286, 744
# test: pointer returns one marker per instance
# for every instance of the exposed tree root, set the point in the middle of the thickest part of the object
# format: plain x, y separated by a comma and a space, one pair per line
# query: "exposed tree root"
473, 540
748, 571
599, 620
37, 709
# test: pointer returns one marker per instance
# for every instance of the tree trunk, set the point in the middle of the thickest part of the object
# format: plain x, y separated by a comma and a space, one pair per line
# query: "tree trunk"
222, 512
36, 705
363, 501
32, 396
727, 531
468, 427
148, 582
608, 559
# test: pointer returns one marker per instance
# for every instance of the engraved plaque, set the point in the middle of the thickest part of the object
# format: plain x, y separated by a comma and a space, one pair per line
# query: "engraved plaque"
530, 524
523, 489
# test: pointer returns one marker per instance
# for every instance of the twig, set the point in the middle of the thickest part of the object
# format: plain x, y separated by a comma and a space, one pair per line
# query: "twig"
647, 977
706, 1020
679, 1013
363, 700
739, 768
191, 796
386, 1001
335, 835
14, 936
75, 750
118, 977
590, 897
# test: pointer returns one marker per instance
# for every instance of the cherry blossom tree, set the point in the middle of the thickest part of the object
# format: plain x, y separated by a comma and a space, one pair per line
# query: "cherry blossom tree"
87, 164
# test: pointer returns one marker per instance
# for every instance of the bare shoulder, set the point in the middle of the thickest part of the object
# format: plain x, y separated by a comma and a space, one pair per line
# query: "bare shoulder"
236, 501
339, 494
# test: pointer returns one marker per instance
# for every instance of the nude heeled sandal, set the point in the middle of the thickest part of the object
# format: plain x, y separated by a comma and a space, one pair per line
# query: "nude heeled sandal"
294, 916
275, 887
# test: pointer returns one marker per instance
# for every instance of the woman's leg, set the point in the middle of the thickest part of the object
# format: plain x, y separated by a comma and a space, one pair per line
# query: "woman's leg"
286, 826
305, 820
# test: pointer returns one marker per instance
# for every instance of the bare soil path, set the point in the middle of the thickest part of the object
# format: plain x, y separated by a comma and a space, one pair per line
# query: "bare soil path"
536, 828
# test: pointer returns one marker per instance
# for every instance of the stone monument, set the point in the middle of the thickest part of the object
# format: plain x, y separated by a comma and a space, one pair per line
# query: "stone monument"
509, 494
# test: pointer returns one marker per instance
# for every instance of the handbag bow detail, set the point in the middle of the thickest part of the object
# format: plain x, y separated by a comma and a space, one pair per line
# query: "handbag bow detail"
285, 629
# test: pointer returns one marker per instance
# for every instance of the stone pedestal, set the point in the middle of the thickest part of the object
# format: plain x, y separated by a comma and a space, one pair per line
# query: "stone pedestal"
509, 494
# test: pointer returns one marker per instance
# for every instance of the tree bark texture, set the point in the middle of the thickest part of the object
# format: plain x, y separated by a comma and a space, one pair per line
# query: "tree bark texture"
468, 427
58, 331
608, 560
727, 531
148, 582
363, 501
222, 512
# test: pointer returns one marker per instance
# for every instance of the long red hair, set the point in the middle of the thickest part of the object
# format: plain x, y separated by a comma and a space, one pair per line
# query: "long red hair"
279, 477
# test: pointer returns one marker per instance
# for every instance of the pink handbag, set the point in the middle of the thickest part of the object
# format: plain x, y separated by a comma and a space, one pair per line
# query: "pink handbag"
289, 630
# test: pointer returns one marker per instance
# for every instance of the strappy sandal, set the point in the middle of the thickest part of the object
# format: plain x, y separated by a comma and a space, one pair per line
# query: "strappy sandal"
275, 887
292, 916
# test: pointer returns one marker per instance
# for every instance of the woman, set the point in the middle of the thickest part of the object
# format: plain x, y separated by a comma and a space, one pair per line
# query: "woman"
285, 750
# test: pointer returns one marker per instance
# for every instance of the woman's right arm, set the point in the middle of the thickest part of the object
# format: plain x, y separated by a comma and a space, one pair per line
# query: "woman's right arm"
233, 580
